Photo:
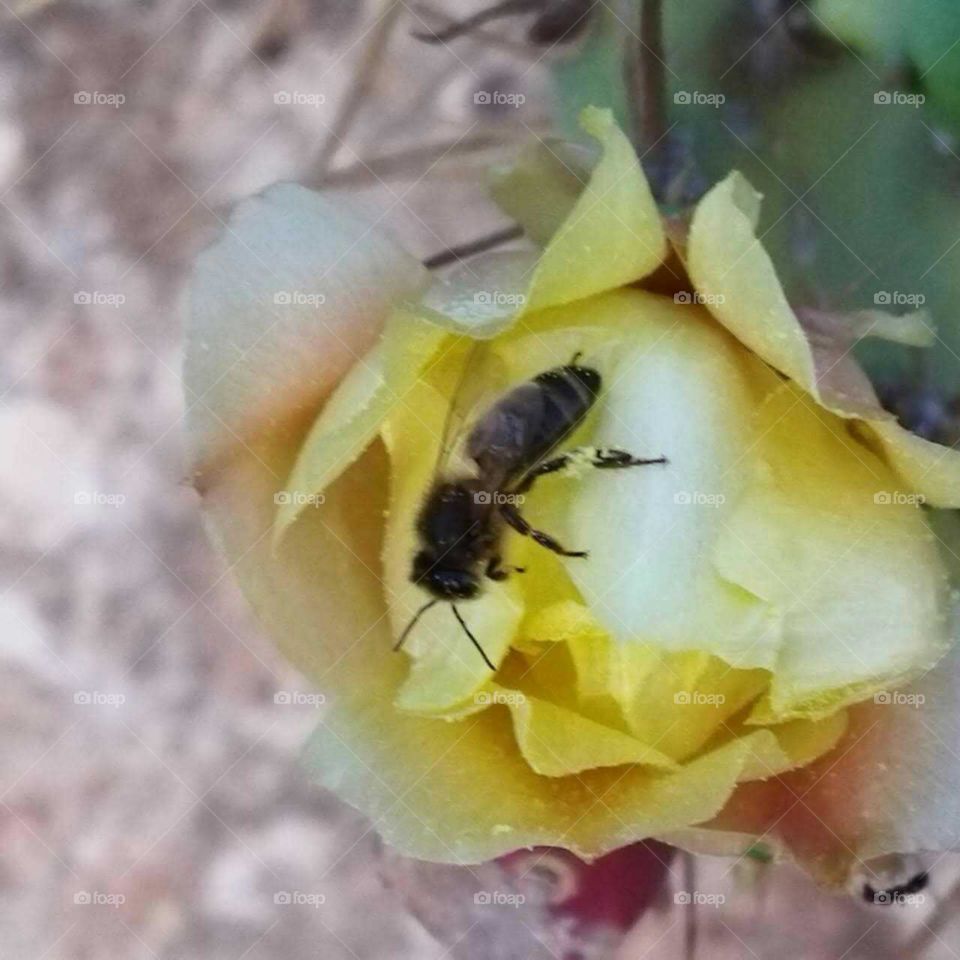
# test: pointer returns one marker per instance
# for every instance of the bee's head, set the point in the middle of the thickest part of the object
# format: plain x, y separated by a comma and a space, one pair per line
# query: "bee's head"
445, 583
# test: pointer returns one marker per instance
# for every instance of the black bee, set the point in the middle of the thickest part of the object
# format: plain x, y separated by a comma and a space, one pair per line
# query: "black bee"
463, 518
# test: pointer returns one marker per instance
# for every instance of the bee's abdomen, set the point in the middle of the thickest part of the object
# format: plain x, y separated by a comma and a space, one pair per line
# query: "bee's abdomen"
568, 394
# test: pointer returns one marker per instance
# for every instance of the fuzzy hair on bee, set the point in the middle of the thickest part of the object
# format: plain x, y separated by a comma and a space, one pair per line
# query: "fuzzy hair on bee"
464, 516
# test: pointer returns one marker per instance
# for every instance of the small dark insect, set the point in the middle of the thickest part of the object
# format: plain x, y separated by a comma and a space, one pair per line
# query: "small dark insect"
557, 21
463, 518
891, 879
896, 893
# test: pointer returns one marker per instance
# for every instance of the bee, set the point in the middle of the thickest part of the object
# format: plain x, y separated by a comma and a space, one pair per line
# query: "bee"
463, 517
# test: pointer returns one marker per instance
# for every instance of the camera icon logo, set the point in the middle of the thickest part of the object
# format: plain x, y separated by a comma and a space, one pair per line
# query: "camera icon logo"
482, 97
81, 897
83, 97
282, 697
282, 897
882, 96
82, 697
682, 97
82, 297
882, 696
682, 898
282, 297
282, 96
483, 497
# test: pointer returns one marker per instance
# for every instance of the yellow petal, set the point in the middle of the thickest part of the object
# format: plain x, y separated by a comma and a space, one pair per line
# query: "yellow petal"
923, 467
858, 579
729, 265
556, 741
612, 236
402, 770
282, 305
379, 382
797, 743
609, 236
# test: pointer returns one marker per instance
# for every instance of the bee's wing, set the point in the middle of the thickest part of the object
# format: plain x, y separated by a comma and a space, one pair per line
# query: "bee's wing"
479, 381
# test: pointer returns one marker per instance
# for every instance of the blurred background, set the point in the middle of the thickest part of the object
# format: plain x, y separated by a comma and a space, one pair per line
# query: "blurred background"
151, 803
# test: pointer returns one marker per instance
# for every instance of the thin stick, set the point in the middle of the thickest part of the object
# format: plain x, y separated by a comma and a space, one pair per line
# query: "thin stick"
473, 639
410, 161
364, 78
480, 245
654, 124
458, 28
643, 69
690, 928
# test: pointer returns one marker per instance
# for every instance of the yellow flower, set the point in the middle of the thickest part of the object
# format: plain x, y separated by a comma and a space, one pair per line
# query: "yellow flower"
731, 664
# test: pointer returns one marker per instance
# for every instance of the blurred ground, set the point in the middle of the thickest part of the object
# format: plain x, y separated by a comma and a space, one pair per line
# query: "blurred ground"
152, 804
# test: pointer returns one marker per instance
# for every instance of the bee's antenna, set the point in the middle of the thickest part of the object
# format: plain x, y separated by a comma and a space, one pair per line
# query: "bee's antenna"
473, 639
413, 623
575, 358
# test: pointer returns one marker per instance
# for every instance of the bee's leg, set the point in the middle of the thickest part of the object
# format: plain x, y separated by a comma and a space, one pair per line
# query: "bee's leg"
548, 466
513, 517
603, 458
495, 572
611, 459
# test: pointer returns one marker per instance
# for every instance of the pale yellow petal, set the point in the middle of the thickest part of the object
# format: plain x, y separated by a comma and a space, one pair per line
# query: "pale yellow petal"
379, 382
855, 572
557, 741
612, 236
294, 291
